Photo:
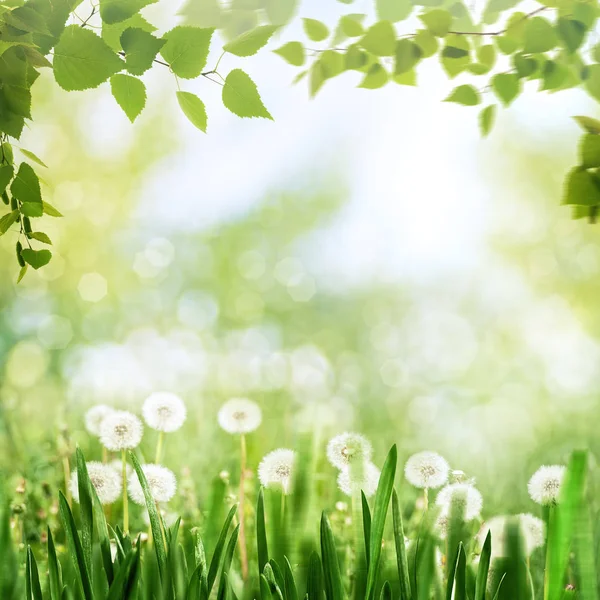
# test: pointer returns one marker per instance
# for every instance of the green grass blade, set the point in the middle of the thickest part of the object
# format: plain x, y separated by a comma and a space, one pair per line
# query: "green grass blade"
86, 508
497, 594
382, 500
216, 557
334, 587
460, 575
228, 557
314, 578
386, 591
261, 533
265, 588
291, 591
54, 570
401, 557
75, 548
33, 577
124, 576
155, 523
457, 529
425, 568
366, 519
272, 578
484, 568
278, 574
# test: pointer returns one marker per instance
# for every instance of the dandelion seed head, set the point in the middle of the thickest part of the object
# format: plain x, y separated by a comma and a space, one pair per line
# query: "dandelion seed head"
352, 480
240, 415
276, 469
106, 482
161, 481
121, 430
532, 530
164, 411
544, 485
426, 470
466, 493
117, 466
347, 449
94, 417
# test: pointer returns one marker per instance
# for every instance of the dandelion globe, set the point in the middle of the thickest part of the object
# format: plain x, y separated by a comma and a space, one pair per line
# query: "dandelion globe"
353, 481
164, 412
161, 482
239, 415
426, 470
121, 430
94, 417
105, 480
544, 485
465, 493
348, 448
276, 469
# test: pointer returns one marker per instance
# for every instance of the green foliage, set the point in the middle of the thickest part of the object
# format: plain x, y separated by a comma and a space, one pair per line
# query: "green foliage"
251, 42
466, 95
193, 108
241, 97
293, 53
140, 48
130, 94
186, 50
315, 30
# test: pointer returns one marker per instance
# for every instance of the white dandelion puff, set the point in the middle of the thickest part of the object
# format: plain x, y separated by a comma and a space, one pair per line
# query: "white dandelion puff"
467, 494
427, 470
276, 469
239, 415
352, 480
117, 466
106, 482
348, 448
544, 485
161, 481
94, 417
121, 430
532, 530
164, 411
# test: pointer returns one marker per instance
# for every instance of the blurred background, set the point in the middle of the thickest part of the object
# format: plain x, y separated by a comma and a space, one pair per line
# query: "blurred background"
365, 262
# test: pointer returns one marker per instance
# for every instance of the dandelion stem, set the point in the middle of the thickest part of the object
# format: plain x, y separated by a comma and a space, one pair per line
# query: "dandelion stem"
125, 501
426, 499
159, 446
161, 523
243, 548
282, 508
104, 454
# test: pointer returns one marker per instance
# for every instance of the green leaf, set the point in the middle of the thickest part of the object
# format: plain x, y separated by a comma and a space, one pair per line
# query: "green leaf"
581, 187
218, 552
291, 592
507, 87
111, 34
455, 55
155, 523
8, 220
49, 210
571, 33
588, 124
393, 10
130, 94
375, 78
486, 119
315, 30
193, 108
438, 21
525, 66
6, 174
241, 97
140, 48
466, 95
427, 42
539, 36
251, 42
86, 495
40, 237
483, 568
351, 26
82, 60
33, 577
22, 274
592, 83
380, 39
32, 209
18, 100
382, 500
334, 587
261, 533
314, 578
408, 78
31, 156
293, 53
54, 568
186, 50
36, 258
280, 12
401, 558
26, 185
408, 55
553, 75
115, 11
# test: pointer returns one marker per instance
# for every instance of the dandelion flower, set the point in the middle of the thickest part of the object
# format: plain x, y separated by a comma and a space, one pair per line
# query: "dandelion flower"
351, 481
239, 415
94, 417
469, 495
426, 470
106, 482
544, 485
164, 411
348, 448
276, 469
532, 530
120, 430
117, 465
161, 481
